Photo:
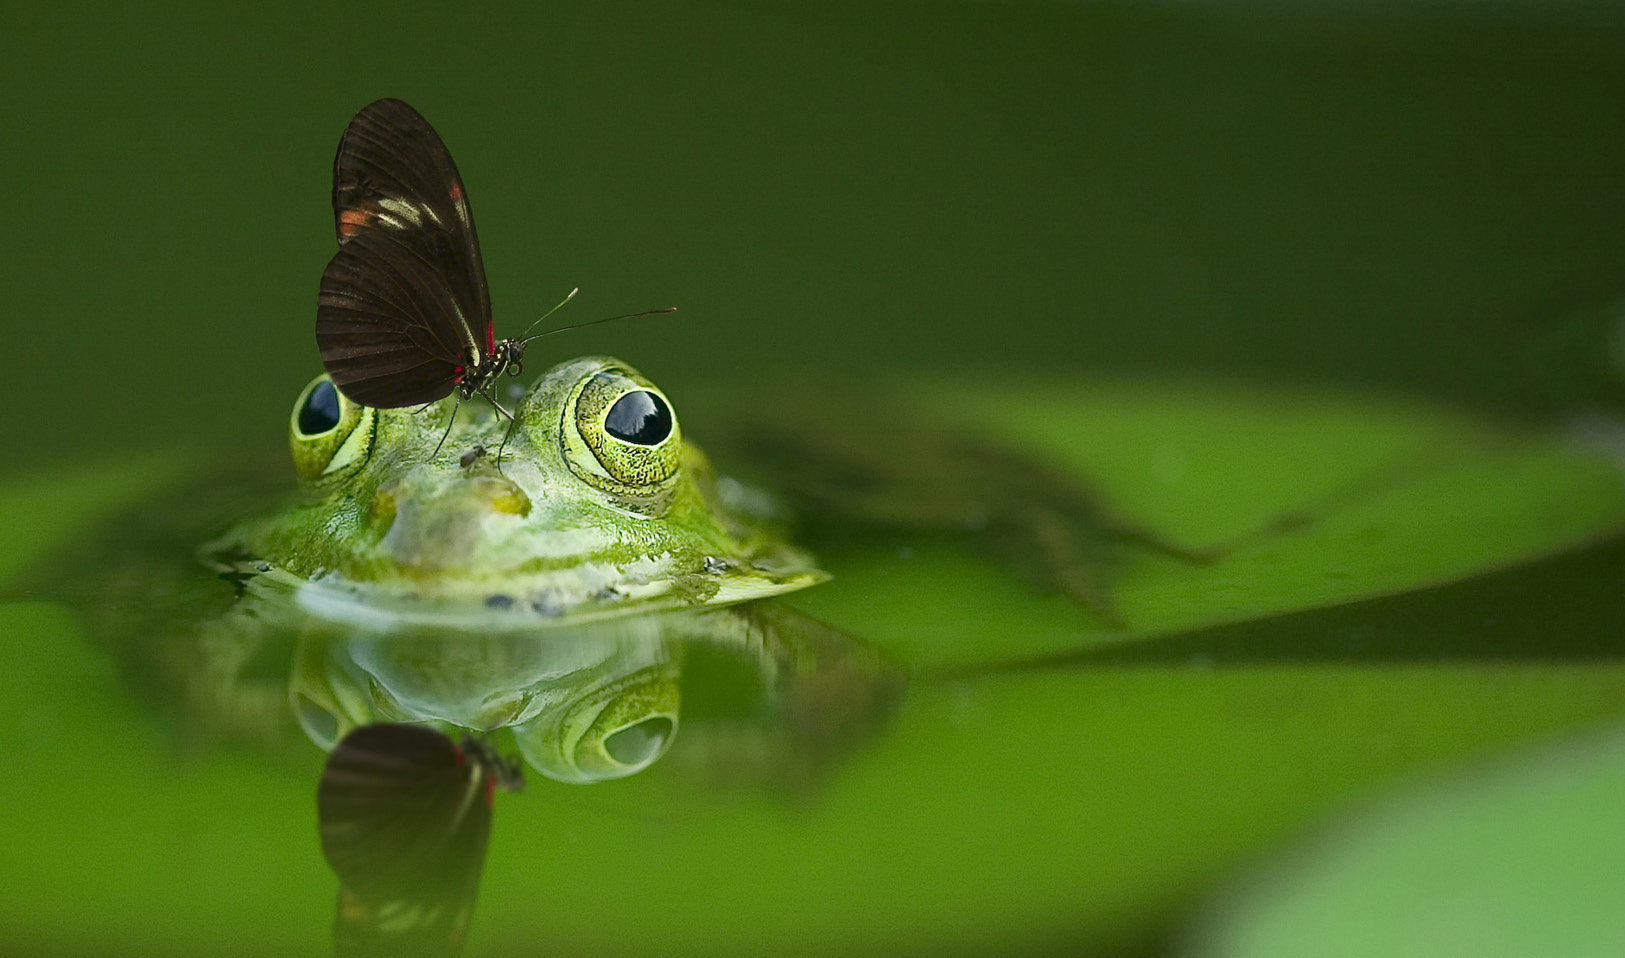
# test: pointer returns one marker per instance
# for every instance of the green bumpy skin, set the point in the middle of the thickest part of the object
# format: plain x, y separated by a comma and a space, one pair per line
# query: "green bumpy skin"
408, 515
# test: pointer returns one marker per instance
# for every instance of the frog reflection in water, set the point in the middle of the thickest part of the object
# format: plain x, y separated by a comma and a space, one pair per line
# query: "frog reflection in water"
579, 584
554, 589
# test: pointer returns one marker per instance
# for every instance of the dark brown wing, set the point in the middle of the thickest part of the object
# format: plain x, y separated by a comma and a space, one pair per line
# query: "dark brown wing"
396, 318
390, 331
404, 813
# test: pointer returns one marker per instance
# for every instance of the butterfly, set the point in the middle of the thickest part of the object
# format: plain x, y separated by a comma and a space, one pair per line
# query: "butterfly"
404, 315
404, 815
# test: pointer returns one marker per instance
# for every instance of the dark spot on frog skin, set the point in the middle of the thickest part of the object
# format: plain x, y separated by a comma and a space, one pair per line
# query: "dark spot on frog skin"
607, 594
499, 601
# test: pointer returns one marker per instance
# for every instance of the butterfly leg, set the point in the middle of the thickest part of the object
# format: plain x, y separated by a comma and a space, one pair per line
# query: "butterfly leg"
506, 435
496, 405
456, 405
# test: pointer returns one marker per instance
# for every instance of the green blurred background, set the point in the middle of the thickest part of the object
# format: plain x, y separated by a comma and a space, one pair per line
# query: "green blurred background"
1422, 197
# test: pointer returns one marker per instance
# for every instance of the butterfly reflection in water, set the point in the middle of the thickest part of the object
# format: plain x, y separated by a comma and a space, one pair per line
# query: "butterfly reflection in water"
404, 815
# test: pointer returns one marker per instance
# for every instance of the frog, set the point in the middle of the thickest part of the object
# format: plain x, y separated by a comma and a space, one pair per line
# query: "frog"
594, 507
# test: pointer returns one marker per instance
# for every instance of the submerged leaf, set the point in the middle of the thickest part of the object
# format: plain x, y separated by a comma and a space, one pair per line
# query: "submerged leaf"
1301, 500
1522, 859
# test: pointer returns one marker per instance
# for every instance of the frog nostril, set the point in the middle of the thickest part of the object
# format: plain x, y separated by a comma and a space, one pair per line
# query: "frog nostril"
502, 496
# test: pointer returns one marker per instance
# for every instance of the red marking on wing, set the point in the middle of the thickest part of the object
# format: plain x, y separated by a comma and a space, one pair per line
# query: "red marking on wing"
456, 192
459, 377
490, 341
351, 221
490, 790
457, 754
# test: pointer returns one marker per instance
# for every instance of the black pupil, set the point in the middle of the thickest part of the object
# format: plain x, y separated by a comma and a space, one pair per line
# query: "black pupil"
321, 411
639, 417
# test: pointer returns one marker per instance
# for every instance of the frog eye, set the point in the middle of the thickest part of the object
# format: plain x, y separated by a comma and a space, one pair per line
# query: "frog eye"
328, 434
622, 436
318, 411
640, 418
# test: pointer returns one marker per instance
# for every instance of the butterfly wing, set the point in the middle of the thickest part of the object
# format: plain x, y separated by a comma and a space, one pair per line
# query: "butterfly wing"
390, 331
404, 815
404, 306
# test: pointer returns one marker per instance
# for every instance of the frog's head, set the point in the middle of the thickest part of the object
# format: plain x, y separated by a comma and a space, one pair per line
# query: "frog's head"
589, 503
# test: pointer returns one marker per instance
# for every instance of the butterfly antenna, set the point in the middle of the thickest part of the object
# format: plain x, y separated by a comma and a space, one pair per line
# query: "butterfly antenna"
595, 322
550, 312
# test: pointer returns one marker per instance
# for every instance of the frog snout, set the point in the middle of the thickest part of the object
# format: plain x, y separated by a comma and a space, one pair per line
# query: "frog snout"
447, 528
